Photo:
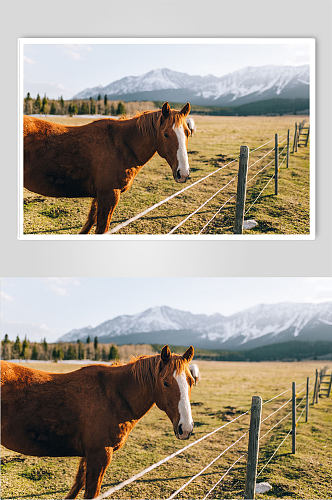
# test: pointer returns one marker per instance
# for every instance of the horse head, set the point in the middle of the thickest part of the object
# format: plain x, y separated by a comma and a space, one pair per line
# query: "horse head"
174, 388
172, 140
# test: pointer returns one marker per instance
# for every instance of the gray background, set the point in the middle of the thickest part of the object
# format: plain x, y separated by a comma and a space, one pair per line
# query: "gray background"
231, 18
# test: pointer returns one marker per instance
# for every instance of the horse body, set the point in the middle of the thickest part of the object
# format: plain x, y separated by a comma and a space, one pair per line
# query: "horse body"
101, 159
90, 412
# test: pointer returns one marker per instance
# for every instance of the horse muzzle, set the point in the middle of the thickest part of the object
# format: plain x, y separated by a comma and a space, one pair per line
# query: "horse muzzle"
180, 177
182, 433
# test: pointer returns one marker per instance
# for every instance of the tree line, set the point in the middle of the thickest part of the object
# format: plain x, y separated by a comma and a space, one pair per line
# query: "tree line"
43, 351
99, 106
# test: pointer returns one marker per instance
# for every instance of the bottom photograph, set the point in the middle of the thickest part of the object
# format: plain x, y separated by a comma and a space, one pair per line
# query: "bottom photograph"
162, 388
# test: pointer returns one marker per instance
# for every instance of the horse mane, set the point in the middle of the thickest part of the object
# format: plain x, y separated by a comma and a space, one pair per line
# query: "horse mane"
146, 368
147, 121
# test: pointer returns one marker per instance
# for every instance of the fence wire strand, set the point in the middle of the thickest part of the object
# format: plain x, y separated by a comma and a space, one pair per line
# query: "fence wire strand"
206, 467
224, 475
261, 158
165, 200
273, 454
253, 203
130, 480
215, 215
199, 208
276, 411
275, 397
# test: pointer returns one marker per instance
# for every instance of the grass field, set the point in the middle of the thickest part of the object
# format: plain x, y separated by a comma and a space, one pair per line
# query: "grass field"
218, 139
224, 392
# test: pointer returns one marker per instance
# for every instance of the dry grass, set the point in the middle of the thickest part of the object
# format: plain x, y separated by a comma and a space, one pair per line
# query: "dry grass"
224, 392
217, 140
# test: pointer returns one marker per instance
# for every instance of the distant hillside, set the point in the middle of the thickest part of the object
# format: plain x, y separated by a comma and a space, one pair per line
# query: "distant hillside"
286, 351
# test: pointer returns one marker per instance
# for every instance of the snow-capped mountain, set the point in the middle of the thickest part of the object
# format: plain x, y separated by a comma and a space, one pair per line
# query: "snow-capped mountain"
259, 325
239, 87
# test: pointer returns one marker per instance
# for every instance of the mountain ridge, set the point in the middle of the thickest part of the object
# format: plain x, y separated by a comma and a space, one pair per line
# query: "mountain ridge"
249, 84
259, 325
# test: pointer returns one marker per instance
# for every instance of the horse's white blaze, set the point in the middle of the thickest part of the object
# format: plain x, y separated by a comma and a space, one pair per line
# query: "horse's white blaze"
184, 404
181, 154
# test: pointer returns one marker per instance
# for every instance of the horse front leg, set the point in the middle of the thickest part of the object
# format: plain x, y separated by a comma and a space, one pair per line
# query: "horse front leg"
107, 201
92, 217
96, 465
79, 482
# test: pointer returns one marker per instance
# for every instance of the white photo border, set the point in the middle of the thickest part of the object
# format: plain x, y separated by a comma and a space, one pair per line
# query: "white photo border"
173, 40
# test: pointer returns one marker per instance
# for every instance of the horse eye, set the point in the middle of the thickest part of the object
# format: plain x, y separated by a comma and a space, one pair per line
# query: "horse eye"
166, 384
166, 134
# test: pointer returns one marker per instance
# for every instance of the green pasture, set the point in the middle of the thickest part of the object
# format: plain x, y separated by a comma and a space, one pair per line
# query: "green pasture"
224, 392
217, 141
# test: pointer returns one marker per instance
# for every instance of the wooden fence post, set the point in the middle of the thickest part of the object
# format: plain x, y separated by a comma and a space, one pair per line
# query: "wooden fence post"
297, 136
287, 157
293, 417
307, 402
294, 140
315, 387
318, 386
307, 138
253, 446
241, 189
330, 386
276, 166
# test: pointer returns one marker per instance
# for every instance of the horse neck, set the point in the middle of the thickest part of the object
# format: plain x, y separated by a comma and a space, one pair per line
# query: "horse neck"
142, 143
138, 397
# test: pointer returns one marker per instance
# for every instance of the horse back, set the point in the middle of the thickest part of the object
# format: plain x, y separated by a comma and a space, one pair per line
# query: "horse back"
38, 416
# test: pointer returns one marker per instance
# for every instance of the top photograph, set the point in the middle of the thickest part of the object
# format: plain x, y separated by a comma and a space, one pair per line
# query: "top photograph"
177, 138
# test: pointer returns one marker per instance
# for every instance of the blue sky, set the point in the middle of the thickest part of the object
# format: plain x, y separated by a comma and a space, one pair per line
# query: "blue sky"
52, 306
64, 69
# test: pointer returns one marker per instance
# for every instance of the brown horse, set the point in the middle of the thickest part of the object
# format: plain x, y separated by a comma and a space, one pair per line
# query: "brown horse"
101, 159
90, 412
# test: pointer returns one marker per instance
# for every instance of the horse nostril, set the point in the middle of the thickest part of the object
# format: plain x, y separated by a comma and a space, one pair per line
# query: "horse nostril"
178, 175
180, 430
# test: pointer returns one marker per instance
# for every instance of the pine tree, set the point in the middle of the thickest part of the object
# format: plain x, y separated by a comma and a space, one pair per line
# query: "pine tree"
44, 105
92, 106
80, 350
25, 346
105, 105
99, 97
55, 354
34, 354
5, 347
114, 352
62, 104
104, 354
88, 339
53, 109
17, 347
71, 352
37, 104
95, 343
121, 109
113, 109
28, 104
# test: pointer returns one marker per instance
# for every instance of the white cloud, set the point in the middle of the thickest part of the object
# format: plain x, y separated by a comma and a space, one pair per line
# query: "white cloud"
77, 52
6, 296
28, 60
62, 286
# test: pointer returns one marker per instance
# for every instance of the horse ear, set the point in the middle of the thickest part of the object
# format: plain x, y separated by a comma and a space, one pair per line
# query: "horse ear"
166, 110
189, 354
165, 354
185, 110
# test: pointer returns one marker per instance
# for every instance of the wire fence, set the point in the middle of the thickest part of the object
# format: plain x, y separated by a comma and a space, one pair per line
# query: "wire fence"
306, 388
197, 210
